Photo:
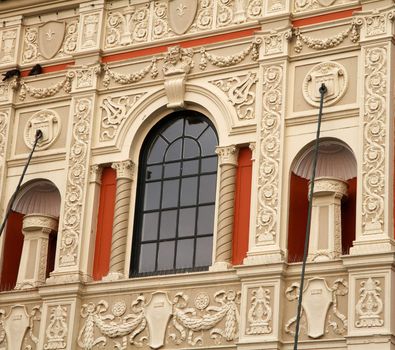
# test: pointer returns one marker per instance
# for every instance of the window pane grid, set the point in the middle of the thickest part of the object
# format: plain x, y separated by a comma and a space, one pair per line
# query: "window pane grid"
177, 194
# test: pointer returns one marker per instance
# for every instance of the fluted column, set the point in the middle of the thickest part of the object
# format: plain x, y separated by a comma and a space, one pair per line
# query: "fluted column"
125, 174
228, 165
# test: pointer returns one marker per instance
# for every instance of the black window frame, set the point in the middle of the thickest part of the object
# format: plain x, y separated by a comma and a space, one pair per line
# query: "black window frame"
137, 242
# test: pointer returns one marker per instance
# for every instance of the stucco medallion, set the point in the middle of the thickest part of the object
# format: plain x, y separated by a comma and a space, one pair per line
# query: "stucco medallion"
48, 122
181, 14
50, 38
335, 78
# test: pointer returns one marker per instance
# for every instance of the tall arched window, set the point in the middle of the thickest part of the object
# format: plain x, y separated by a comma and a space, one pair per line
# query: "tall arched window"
174, 217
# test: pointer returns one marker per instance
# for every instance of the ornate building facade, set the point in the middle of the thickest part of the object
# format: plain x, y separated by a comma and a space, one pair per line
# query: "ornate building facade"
166, 201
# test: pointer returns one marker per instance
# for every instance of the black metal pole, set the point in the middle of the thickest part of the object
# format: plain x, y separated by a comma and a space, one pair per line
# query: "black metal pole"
38, 136
322, 91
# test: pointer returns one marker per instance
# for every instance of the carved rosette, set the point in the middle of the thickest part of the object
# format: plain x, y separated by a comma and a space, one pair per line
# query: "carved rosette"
269, 154
374, 121
56, 331
370, 305
76, 181
260, 312
241, 93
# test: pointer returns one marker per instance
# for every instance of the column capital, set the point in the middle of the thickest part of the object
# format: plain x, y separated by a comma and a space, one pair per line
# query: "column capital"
227, 154
125, 169
95, 172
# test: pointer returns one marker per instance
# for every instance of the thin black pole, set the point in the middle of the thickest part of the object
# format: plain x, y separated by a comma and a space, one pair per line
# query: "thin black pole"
322, 91
38, 136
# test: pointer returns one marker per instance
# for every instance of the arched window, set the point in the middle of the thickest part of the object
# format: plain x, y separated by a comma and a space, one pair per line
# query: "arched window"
174, 217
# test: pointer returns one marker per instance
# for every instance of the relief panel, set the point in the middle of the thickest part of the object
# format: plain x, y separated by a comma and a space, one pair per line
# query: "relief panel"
342, 91
53, 39
310, 5
324, 309
161, 319
19, 326
53, 121
8, 45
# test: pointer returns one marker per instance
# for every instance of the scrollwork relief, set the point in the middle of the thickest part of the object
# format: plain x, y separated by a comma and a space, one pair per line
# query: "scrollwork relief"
370, 305
228, 61
260, 312
377, 23
76, 178
3, 131
127, 27
115, 111
241, 93
307, 5
374, 121
319, 319
269, 155
323, 44
18, 327
34, 40
176, 319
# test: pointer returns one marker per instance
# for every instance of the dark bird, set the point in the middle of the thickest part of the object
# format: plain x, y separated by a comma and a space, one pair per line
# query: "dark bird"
12, 73
36, 70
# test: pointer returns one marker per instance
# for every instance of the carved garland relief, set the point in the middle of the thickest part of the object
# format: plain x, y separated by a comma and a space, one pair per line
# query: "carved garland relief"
269, 155
77, 174
160, 321
374, 121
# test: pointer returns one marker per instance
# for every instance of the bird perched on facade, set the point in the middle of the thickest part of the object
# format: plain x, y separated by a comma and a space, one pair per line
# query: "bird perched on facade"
36, 70
12, 73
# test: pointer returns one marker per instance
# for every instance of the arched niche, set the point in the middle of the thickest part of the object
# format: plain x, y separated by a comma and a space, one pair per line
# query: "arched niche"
36, 198
336, 163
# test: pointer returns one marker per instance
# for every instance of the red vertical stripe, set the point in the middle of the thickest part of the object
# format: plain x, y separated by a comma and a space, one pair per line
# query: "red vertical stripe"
12, 252
105, 220
242, 206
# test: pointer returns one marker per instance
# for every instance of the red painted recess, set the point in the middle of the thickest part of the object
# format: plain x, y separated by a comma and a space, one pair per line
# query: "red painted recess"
50, 69
185, 44
298, 210
12, 251
325, 18
242, 206
101, 262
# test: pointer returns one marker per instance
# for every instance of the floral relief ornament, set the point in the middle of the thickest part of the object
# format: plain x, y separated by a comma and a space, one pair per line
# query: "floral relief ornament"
75, 189
370, 305
374, 121
57, 329
269, 156
260, 312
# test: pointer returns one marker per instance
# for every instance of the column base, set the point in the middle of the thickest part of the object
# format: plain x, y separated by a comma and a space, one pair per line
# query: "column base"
220, 266
58, 277
265, 257
363, 247
113, 276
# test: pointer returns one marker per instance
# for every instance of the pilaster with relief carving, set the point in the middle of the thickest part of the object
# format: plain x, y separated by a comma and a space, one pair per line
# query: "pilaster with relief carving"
375, 232
264, 245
